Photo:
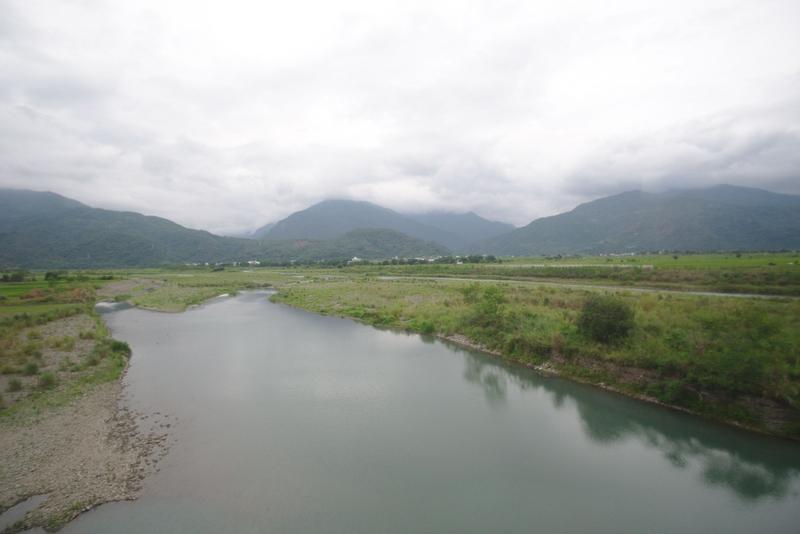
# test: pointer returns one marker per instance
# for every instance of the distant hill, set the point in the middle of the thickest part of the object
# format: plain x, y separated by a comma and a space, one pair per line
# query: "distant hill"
467, 227
45, 230
717, 218
330, 219
48, 230
261, 233
368, 244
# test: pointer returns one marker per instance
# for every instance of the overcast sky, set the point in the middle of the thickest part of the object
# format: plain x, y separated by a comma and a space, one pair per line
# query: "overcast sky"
227, 115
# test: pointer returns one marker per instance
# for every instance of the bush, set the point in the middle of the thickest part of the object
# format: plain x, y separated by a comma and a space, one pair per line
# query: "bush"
52, 275
14, 385
47, 380
605, 319
31, 348
121, 347
427, 327
487, 311
30, 369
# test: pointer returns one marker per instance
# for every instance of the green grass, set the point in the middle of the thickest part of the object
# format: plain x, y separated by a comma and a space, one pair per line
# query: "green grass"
108, 369
32, 303
725, 275
35, 309
692, 261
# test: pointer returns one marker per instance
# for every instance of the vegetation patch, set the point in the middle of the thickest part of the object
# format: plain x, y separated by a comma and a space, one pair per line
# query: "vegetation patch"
605, 319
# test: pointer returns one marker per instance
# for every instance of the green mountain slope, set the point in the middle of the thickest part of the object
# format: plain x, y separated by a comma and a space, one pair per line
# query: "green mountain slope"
262, 232
717, 218
468, 227
368, 244
330, 219
45, 230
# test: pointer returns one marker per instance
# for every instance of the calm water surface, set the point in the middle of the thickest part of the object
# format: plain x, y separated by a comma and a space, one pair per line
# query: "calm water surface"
293, 422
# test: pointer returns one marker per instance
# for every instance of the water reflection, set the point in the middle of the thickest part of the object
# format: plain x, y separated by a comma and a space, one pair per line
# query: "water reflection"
760, 468
489, 377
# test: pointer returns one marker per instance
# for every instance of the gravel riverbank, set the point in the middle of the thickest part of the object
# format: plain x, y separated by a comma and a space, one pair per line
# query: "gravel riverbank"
86, 453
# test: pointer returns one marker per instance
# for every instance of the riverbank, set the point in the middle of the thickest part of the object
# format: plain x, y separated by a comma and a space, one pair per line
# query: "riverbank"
730, 360
65, 436
80, 455
555, 369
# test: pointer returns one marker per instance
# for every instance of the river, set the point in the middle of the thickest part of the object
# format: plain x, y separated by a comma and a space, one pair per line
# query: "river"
289, 422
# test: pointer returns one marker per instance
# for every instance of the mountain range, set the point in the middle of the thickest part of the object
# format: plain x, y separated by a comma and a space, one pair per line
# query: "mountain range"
717, 218
46, 230
333, 218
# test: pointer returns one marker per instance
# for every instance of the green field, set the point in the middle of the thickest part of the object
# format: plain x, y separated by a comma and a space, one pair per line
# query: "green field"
689, 261
772, 274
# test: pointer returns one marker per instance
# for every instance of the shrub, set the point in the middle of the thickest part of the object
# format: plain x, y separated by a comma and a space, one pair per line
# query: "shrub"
14, 385
52, 275
31, 348
605, 319
427, 327
121, 347
47, 380
487, 311
30, 369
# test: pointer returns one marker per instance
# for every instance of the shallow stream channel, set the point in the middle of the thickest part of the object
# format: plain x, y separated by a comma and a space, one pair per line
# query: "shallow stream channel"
284, 421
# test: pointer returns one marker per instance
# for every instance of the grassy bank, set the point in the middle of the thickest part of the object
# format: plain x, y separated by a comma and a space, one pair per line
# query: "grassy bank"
173, 291
53, 346
731, 359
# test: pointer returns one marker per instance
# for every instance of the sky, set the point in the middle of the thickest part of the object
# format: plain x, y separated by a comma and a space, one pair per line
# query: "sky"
228, 115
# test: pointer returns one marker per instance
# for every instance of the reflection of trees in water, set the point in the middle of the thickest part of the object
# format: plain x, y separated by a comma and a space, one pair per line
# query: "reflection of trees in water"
752, 467
491, 378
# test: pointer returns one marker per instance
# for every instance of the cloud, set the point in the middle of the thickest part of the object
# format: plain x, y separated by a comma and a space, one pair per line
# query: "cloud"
224, 116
